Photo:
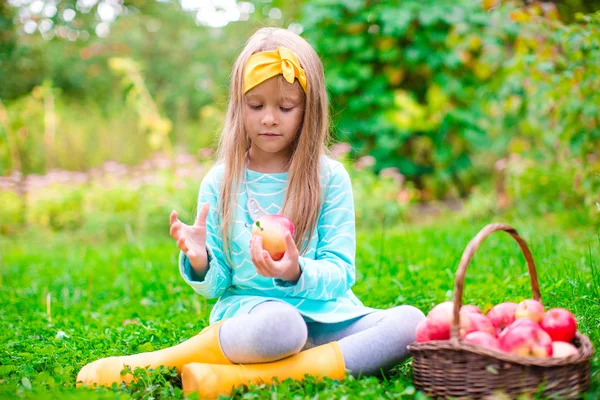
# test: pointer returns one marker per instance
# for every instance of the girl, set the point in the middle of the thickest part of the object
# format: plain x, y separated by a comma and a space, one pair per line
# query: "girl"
283, 318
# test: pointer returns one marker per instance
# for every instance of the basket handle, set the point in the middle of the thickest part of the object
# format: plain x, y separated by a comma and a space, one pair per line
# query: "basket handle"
466, 258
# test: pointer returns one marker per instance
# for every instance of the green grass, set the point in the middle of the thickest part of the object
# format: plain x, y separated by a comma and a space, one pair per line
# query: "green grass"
122, 297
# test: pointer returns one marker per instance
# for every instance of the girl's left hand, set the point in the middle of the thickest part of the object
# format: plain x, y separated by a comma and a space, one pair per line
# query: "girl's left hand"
287, 268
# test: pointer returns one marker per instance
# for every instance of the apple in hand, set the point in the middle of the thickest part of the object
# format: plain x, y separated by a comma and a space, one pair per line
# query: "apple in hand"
563, 349
560, 324
526, 341
532, 309
502, 315
483, 339
272, 228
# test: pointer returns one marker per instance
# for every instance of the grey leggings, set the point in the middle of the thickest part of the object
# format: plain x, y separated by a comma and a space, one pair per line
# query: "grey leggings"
274, 330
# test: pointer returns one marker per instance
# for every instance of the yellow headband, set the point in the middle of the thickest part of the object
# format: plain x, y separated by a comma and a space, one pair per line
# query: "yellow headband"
267, 64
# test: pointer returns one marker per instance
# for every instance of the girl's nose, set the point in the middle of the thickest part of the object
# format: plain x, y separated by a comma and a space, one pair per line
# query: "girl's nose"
269, 119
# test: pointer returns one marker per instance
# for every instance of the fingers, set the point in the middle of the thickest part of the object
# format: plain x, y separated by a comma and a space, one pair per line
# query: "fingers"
265, 265
290, 246
182, 244
172, 217
174, 229
268, 262
175, 225
255, 248
201, 219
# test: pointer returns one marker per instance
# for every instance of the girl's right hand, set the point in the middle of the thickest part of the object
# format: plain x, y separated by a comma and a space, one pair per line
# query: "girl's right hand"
192, 239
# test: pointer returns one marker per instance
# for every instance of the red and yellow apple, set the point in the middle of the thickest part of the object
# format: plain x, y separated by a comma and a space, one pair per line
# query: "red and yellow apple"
563, 349
523, 322
470, 308
502, 315
473, 322
272, 228
532, 309
482, 339
560, 324
526, 341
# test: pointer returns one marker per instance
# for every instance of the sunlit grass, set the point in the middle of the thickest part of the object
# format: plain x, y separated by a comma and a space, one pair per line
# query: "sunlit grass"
68, 300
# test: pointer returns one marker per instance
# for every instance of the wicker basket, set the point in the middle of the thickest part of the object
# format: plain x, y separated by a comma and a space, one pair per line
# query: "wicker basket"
453, 369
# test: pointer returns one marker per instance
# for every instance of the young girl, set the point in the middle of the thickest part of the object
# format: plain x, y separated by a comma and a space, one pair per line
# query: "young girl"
283, 318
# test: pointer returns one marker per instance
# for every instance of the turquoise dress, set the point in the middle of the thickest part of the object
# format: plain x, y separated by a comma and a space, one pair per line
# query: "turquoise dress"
323, 292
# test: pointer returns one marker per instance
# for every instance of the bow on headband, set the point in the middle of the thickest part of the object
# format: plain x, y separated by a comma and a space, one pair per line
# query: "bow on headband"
267, 64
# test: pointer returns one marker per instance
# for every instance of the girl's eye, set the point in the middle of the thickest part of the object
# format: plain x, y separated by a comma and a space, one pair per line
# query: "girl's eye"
255, 107
284, 109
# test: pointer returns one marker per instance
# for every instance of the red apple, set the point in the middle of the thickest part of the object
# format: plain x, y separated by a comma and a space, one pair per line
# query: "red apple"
483, 339
470, 308
471, 322
527, 341
523, 322
532, 309
440, 320
560, 324
502, 315
422, 332
563, 349
272, 228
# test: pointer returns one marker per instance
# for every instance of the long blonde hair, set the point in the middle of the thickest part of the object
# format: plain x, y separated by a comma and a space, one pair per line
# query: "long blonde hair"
302, 201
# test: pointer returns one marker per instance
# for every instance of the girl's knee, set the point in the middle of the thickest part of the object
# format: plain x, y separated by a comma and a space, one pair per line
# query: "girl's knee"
405, 316
283, 326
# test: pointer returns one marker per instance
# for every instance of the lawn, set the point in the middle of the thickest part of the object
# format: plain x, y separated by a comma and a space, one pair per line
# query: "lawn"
70, 299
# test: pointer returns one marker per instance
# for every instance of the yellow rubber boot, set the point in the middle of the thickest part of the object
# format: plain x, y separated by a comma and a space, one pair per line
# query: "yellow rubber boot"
204, 347
211, 380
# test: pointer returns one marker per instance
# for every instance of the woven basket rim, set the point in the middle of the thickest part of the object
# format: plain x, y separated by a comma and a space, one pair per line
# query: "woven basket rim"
586, 350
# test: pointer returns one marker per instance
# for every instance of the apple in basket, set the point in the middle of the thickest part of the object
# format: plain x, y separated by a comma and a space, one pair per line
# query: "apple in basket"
563, 349
502, 315
440, 320
422, 332
526, 341
469, 308
532, 309
272, 228
560, 324
483, 339
472, 322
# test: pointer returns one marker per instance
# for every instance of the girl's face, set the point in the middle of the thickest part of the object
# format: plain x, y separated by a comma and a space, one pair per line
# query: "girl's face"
274, 111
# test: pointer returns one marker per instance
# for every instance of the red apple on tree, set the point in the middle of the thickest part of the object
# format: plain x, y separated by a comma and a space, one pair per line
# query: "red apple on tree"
560, 324
272, 228
482, 339
502, 315
563, 349
527, 341
532, 309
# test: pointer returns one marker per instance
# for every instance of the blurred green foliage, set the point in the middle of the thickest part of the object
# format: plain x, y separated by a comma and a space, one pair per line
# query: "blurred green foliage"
116, 201
442, 90
449, 98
